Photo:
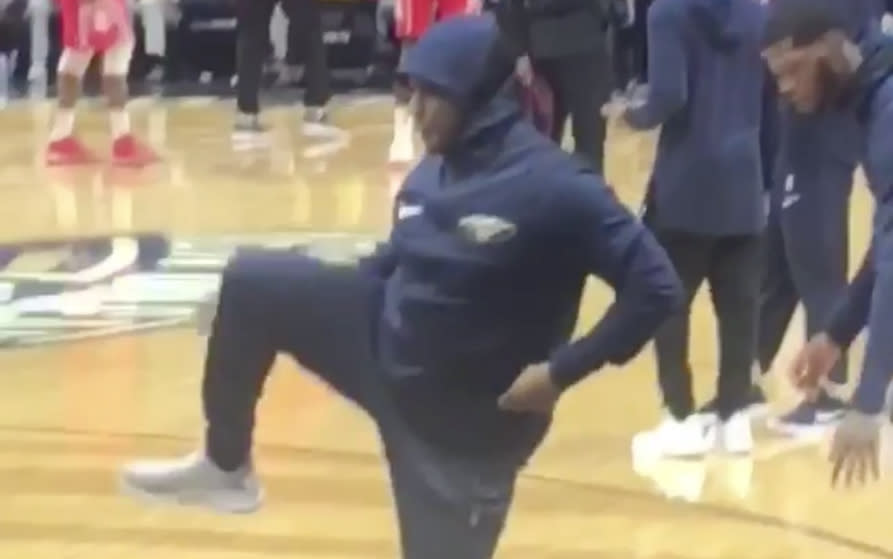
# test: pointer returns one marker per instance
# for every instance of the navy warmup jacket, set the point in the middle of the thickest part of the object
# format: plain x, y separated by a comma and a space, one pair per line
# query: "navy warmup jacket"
869, 300
708, 90
491, 247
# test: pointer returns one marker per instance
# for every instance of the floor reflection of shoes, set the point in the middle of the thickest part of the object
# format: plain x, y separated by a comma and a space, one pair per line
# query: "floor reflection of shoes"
735, 474
681, 479
646, 454
675, 478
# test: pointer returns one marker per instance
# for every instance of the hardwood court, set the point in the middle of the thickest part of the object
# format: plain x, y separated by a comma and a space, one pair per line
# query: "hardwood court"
82, 390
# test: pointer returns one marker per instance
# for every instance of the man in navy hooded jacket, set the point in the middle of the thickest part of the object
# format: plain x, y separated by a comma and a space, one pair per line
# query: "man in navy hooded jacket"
817, 64
454, 335
812, 185
708, 94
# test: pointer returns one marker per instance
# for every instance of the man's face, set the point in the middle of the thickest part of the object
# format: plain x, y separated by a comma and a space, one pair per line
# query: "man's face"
438, 119
810, 75
798, 72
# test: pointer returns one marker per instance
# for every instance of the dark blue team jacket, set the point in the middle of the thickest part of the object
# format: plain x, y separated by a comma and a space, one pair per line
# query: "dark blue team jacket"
869, 300
492, 244
708, 92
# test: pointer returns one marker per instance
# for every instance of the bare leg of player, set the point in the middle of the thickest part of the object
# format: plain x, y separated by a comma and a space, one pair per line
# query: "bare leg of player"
64, 148
126, 150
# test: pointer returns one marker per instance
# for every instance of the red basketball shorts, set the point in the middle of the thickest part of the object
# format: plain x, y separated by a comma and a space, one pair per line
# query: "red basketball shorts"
414, 17
83, 31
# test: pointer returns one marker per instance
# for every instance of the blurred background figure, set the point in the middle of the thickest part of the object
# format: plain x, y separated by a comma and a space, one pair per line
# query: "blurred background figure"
12, 13
639, 40
152, 13
625, 51
254, 22
97, 28
39, 12
564, 41
412, 18
279, 31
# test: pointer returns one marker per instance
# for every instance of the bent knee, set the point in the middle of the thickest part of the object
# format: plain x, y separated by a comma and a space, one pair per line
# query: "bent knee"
265, 269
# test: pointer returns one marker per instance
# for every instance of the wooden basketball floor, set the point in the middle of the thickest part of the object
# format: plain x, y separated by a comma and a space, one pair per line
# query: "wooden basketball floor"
89, 378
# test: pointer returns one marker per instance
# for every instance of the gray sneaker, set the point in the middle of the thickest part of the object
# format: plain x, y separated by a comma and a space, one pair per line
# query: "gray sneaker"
193, 481
249, 131
318, 125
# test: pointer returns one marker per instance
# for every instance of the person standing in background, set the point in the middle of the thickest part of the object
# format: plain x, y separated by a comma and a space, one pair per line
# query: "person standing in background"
640, 39
279, 32
39, 12
623, 17
12, 14
152, 13
564, 42
717, 112
254, 18
412, 18
90, 28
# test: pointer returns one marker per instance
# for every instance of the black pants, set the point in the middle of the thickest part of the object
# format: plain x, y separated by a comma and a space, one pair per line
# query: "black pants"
447, 506
12, 25
807, 257
733, 268
581, 84
9, 34
640, 39
627, 55
253, 43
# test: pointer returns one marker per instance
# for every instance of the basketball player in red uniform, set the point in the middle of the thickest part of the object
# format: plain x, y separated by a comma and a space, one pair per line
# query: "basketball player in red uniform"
412, 18
90, 28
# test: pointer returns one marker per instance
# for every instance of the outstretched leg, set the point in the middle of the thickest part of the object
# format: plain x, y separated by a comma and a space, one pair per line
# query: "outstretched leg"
270, 301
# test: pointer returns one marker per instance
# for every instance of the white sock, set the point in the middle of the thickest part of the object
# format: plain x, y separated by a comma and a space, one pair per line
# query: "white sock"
63, 126
120, 122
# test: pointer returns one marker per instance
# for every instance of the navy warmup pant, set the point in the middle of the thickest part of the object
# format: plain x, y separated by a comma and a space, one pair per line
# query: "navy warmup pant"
731, 266
807, 255
323, 315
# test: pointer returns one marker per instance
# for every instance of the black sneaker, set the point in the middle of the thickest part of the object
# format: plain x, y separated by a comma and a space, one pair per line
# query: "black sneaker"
809, 419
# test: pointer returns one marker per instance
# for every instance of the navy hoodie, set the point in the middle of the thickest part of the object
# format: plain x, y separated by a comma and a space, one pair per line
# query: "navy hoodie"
869, 299
490, 250
830, 137
708, 92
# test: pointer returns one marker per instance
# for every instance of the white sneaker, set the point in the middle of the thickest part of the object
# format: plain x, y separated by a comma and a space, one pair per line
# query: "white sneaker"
193, 480
679, 439
402, 146
735, 435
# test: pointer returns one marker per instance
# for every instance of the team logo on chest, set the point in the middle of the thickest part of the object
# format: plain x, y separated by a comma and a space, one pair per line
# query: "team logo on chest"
486, 229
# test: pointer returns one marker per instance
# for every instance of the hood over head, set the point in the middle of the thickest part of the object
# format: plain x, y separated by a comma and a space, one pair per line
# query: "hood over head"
466, 60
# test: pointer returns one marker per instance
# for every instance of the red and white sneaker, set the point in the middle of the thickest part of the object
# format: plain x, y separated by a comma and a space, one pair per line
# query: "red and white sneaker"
69, 151
127, 151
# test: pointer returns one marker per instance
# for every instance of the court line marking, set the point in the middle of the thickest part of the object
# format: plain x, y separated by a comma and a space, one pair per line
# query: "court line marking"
736, 515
